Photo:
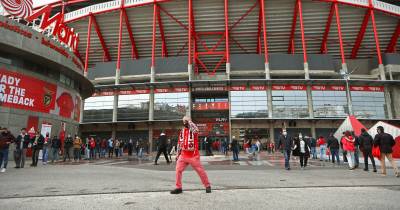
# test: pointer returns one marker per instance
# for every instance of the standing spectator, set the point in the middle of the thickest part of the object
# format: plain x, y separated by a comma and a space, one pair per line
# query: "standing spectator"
130, 147
189, 155
116, 147
333, 146
6, 138
348, 146
67, 147
110, 148
121, 148
385, 142
92, 148
313, 145
356, 151
55, 148
137, 147
235, 149
301, 149
322, 148
344, 152
77, 148
162, 148
286, 144
366, 143
45, 151
21, 145
37, 144
103, 147
98, 150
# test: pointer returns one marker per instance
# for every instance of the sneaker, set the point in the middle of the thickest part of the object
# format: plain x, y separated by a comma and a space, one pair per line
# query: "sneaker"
2, 170
375, 170
397, 175
365, 169
208, 189
177, 191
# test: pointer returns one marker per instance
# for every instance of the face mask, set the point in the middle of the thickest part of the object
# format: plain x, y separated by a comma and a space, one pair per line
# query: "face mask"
284, 133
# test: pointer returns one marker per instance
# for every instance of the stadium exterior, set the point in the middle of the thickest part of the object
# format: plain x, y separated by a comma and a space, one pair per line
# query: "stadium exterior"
41, 81
300, 63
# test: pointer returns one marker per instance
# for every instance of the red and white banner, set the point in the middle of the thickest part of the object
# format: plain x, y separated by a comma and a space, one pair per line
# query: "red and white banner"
258, 87
68, 105
289, 87
368, 88
238, 88
211, 106
25, 92
172, 90
132, 92
328, 87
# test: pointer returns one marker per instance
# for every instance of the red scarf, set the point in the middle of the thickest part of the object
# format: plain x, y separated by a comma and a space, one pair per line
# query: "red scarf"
187, 140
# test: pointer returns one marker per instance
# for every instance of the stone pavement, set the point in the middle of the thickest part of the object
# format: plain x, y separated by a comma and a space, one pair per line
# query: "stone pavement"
134, 184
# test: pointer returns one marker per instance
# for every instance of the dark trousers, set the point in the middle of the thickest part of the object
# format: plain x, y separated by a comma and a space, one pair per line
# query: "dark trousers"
3, 158
92, 154
235, 152
303, 159
345, 156
77, 153
356, 157
116, 152
19, 157
35, 156
110, 152
67, 153
286, 153
335, 154
368, 154
164, 151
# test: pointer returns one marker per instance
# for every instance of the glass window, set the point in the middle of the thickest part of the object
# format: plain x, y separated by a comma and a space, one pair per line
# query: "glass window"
289, 104
328, 104
170, 106
370, 105
249, 104
98, 109
133, 107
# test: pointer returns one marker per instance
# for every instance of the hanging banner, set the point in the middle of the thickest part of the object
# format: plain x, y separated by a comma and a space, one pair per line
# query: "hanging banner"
46, 129
328, 88
211, 106
258, 87
368, 88
289, 87
24, 92
68, 105
238, 88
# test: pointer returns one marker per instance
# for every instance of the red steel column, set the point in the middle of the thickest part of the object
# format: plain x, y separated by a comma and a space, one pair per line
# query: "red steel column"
190, 66
378, 48
324, 48
267, 73
391, 48
339, 33
153, 47
88, 46
227, 53
291, 48
303, 40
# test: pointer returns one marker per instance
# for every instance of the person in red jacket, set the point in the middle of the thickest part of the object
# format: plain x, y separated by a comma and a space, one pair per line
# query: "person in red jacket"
189, 155
321, 142
92, 146
348, 146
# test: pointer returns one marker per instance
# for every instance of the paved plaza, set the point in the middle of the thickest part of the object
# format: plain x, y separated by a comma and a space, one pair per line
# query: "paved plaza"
128, 183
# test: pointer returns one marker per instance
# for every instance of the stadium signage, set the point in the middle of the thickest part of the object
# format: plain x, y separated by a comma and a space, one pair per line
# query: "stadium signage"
367, 88
328, 88
288, 87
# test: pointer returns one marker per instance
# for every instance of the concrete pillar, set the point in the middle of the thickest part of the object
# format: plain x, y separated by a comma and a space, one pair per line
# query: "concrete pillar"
271, 131
190, 70
269, 101
151, 104
306, 71
150, 137
115, 102
310, 102
388, 101
313, 130
114, 131
267, 72
348, 96
228, 71
189, 111
382, 71
152, 74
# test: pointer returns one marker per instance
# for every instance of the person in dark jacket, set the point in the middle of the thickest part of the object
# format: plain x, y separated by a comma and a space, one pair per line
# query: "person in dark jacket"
21, 145
301, 149
313, 145
6, 138
356, 150
55, 148
130, 147
333, 145
69, 142
286, 144
37, 144
162, 148
385, 142
235, 148
366, 143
